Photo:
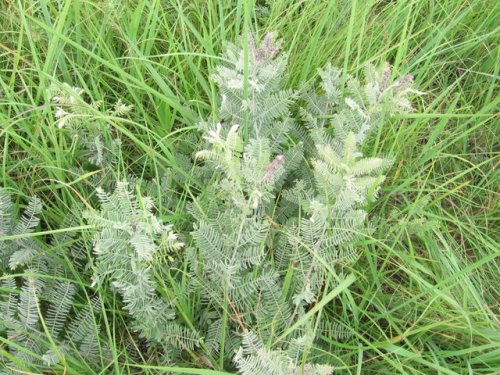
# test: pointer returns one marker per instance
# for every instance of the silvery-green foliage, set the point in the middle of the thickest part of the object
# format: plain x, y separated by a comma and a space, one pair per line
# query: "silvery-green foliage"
228, 261
262, 101
21, 250
339, 119
334, 330
127, 239
35, 287
353, 106
87, 124
321, 212
284, 204
253, 358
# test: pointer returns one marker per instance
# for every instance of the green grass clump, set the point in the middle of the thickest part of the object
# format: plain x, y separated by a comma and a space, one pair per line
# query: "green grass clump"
425, 294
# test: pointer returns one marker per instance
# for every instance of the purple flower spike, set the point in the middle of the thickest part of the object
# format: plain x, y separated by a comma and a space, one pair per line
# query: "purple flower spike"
386, 77
403, 82
273, 168
268, 48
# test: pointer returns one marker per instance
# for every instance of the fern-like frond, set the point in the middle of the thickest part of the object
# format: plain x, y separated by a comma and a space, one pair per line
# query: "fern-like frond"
28, 302
29, 219
22, 256
6, 212
8, 307
254, 359
61, 297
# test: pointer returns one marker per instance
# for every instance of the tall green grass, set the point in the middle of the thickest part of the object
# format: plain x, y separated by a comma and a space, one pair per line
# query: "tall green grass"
426, 295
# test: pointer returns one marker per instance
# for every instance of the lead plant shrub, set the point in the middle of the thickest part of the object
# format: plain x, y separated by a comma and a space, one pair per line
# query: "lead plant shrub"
287, 204
282, 212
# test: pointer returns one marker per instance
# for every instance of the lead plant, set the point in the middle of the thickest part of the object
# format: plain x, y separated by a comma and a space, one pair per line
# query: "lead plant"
263, 221
281, 215
127, 239
39, 318
87, 124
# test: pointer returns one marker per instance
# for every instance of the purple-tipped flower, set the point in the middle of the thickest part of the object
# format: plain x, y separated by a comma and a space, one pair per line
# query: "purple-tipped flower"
273, 168
403, 82
386, 77
251, 44
267, 49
